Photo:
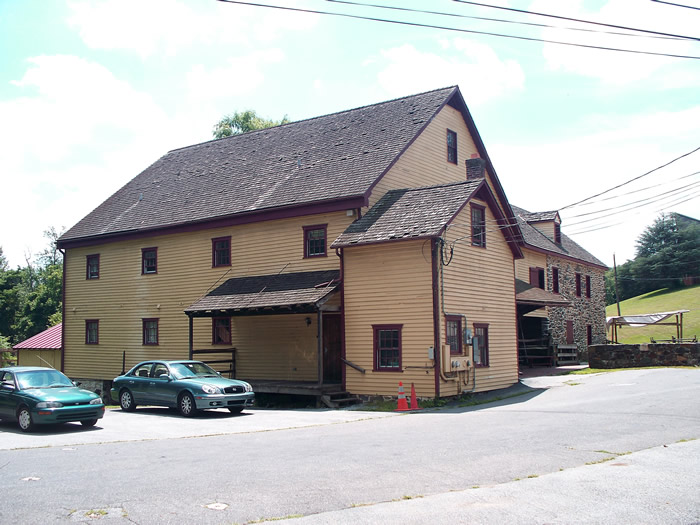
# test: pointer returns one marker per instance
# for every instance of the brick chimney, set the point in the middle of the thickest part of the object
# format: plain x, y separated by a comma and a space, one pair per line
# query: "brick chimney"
475, 168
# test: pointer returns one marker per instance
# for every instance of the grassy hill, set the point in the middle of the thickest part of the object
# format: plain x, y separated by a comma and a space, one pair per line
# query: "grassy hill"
663, 300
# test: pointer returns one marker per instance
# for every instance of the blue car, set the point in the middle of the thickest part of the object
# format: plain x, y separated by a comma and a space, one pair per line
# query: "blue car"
188, 386
34, 395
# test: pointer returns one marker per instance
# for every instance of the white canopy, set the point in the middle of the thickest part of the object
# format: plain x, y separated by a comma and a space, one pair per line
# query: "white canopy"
641, 319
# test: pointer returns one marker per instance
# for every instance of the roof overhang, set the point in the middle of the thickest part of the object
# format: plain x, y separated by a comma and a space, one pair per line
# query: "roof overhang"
292, 293
529, 298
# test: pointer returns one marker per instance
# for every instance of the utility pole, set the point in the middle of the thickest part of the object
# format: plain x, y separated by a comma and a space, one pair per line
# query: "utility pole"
617, 296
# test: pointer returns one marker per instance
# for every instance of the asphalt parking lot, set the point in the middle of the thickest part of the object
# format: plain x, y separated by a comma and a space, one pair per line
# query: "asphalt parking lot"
149, 423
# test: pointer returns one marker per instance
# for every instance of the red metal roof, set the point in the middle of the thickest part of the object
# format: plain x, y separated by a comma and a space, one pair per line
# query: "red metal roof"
46, 340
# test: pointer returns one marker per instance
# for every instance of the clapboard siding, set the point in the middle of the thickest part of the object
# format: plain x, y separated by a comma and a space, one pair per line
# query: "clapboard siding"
122, 296
425, 162
389, 284
478, 283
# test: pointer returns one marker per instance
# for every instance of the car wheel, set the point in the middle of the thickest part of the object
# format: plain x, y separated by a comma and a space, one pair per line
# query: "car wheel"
24, 418
126, 401
186, 405
88, 422
235, 410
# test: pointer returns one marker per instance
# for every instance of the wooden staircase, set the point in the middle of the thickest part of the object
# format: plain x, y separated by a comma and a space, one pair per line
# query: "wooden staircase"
340, 399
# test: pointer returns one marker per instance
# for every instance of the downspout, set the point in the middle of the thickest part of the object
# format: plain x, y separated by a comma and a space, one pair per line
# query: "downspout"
320, 348
191, 336
343, 355
438, 347
63, 313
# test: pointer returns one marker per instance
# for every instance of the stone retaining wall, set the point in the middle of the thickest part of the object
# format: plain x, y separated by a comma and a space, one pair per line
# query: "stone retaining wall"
659, 354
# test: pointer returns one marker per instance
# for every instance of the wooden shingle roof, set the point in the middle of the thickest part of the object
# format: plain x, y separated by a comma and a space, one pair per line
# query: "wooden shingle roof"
535, 238
333, 158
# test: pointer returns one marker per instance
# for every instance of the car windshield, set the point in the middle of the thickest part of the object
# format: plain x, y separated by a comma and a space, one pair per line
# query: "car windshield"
185, 370
42, 379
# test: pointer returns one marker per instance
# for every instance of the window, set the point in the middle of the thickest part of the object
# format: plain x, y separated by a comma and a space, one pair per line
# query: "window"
92, 331
589, 334
480, 343
315, 241
569, 332
387, 348
537, 277
557, 233
453, 333
588, 286
143, 370
93, 267
555, 279
451, 146
150, 331
478, 225
221, 252
221, 331
578, 285
149, 260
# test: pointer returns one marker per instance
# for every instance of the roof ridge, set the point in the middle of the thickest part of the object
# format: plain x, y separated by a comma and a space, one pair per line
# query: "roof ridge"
376, 104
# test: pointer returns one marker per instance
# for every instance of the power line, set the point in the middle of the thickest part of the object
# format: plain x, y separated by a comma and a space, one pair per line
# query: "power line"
630, 180
470, 31
575, 19
676, 5
500, 20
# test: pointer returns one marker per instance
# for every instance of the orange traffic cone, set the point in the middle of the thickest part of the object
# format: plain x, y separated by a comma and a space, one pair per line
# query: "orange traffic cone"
402, 405
414, 399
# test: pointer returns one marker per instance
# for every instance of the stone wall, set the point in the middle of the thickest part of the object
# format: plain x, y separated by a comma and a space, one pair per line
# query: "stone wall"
100, 387
584, 311
659, 354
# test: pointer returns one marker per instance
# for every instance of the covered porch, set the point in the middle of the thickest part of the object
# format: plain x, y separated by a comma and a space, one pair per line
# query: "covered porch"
285, 332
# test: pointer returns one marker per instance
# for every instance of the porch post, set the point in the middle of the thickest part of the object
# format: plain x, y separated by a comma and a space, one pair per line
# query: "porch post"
191, 337
320, 348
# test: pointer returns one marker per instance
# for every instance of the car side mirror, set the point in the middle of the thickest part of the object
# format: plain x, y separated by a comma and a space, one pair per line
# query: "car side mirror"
76, 383
164, 376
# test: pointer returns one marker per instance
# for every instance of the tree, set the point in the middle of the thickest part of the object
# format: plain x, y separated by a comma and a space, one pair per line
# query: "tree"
243, 122
668, 253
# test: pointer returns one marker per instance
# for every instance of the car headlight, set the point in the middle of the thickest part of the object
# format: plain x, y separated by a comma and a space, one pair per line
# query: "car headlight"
49, 404
210, 389
96, 401
248, 388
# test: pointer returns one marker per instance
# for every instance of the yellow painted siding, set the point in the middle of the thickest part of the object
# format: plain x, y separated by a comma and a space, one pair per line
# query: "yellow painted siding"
478, 283
389, 284
546, 227
425, 162
522, 272
52, 358
122, 296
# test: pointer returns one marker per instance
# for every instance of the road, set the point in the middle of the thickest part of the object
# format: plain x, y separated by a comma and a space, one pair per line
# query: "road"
617, 447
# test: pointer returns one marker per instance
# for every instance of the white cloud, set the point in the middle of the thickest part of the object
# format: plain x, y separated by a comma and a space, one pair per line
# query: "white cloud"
612, 67
76, 134
240, 75
475, 67
157, 27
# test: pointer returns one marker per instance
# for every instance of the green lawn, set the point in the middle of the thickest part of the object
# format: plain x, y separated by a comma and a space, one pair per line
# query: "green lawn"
663, 300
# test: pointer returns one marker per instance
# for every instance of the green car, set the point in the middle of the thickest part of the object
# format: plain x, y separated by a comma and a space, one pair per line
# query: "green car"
188, 386
35, 395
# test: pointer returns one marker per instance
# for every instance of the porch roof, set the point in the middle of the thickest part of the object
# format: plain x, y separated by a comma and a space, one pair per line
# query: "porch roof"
529, 297
300, 292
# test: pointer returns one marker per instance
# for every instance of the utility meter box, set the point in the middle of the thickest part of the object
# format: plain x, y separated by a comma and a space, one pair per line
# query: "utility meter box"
454, 363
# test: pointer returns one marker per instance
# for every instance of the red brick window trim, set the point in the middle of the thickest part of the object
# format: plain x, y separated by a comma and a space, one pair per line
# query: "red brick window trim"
387, 347
221, 331
481, 348
92, 331
315, 241
588, 286
149, 260
578, 285
220, 251
92, 266
451, 146
150, 332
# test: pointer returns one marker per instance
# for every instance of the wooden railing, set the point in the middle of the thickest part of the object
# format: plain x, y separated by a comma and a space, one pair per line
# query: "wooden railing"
353, 365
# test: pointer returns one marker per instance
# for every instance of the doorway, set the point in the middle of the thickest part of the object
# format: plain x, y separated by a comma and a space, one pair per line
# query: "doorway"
332, 347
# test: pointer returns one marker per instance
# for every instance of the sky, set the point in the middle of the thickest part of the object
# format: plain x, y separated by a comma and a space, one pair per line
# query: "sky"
93, 92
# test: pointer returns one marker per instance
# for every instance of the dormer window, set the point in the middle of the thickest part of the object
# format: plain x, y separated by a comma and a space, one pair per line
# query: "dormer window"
451, 146
557, 233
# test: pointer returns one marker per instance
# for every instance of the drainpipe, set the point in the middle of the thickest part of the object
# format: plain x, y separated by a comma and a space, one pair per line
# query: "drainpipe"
63, 313
320, 349
339, 253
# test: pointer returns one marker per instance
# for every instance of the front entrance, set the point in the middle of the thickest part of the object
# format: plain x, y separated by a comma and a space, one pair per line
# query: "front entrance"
332, 346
